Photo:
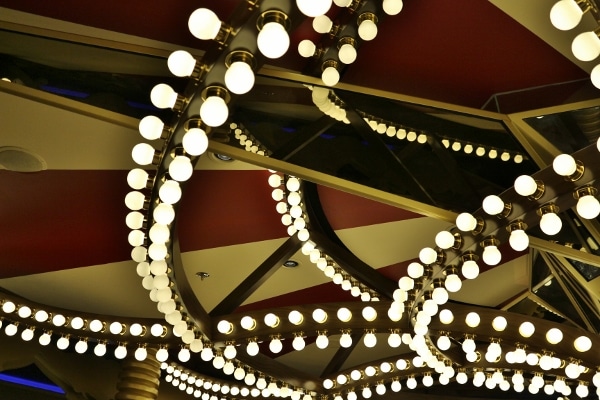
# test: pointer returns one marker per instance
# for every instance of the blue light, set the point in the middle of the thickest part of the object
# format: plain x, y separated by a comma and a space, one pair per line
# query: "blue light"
65, 92
27, 382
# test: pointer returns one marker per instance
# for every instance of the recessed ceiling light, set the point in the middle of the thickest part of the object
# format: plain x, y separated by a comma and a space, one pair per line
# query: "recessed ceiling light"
290, 264
223, 157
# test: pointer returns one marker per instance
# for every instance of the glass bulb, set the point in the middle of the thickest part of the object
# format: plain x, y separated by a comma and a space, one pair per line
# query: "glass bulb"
181, 63
330, 76
322, 24
151, 127
239, 77
181, 168
204, 24
195, 141
466, 222
142, 153
491, 255
214, 111
367, 30
306, 48
565, 14
470, 269
163, 96
312, 8
550, 224
586, 46
518, 240
493, 205
273, 40
392, 7
347, 53
588, 207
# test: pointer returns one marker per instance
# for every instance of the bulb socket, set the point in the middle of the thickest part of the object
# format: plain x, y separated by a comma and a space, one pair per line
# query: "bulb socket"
273, 16
547, 209
240, 55
585, 191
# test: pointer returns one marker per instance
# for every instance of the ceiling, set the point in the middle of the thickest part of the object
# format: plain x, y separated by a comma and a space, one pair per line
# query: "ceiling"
478, 73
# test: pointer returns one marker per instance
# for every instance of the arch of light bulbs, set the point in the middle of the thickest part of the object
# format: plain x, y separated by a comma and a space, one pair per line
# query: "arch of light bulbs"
566, 15
150, 237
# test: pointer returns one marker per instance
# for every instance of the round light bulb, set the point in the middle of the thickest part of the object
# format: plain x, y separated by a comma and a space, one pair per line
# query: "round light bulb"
142, 153
550, 224
526, 329
312, 8
595, 78
586, 46
204, 24
151, 127
239, 77
273, 40
195, 141
367, 30
554, 335
306, 48
392, 7
499, 323
470, 269
491, 255
137, 178
163, 96
466, 222
170, 192
347, 53
493, 205
181, 168
164, 214
564, 165
518, 240
181, 63
565, 14
214, 111
322, 24
330, 76
588, 207
444, 240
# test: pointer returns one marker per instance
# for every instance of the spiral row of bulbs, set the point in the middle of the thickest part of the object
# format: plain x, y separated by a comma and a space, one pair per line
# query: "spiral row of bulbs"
328, 103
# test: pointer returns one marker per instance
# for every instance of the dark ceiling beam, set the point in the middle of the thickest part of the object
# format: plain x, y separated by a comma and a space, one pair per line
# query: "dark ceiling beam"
303, 138
257, 277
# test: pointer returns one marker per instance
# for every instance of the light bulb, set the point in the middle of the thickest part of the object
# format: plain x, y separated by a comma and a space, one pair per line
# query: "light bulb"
493, 205
550, 223
163, 96
195, 141
345, 340
466, 222
204, 24
588, 207
170, 192
137, 178
453, 283
392, 7
181, 168
142, 153
367, 30
565, 14
491, 255
470, 269
444, 240
275, 345
298, 343
322, 24
273, 40
595, 77
214, 111
330, 76
151, 127
312, 8
564, 165
347, 53
322, 341
164, 214
239, 77
306, 48
181, 63
518, 240
586, 46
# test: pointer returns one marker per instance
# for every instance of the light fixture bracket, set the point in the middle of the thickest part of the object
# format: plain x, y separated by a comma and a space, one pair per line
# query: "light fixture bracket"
346, 40
367, 16
516, 225
330, 63
489, 241
273, 16
195, 122
547, 209
240, 55
215, 90
585, 191
579, 167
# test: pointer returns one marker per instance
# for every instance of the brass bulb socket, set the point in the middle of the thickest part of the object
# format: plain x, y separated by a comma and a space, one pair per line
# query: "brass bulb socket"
346, 40
215, 90
585, 191
241, 55
273, 16
516, 225
489, 241
367, 16
330, 63
547, 208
